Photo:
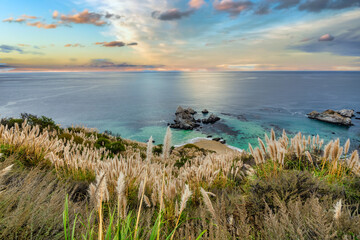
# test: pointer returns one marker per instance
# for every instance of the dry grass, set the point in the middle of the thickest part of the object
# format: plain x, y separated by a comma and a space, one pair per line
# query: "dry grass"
284, 195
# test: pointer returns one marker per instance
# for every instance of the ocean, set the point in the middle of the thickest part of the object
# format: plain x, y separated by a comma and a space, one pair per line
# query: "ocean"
138, 105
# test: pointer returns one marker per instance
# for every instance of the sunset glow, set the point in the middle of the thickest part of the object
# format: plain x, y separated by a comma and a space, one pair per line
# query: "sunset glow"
191, 35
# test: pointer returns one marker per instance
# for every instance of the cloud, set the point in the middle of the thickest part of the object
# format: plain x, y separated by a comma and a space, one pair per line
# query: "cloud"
319, 5
231, 7
9, 49
86, 17
74, 45
326, 38
107, 63
115, 44
171, 14
39, 24
196, 3
284, 4
4, 67
29, 17
55, 14
262, 9
111, 15
12, 20
22, 19
346, 43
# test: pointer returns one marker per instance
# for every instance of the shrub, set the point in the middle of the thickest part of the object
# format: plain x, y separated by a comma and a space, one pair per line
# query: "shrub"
68, 137
116, 147
158, 149
43, 122
33, 120
102, 142
189, 145
287, 186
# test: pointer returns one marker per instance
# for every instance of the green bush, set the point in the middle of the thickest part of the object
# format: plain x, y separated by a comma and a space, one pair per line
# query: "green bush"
158, 149
43, 122
33, 120
102, 142
68, 136
116, 147
189, 145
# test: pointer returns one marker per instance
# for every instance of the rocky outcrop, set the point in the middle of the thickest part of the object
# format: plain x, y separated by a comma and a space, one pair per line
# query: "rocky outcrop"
346, 113
332, 116
205, 111
184, 119
211, 119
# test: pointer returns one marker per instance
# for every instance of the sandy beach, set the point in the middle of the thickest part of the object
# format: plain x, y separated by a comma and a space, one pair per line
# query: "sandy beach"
213, 146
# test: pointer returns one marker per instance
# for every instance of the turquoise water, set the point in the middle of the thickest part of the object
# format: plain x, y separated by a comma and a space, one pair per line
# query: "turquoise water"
139, 105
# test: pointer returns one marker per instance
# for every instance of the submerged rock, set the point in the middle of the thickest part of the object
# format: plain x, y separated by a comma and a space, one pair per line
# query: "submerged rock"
331, 116
211, 119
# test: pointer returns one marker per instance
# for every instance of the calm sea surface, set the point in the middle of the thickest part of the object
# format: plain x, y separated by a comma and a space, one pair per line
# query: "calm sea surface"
138, 105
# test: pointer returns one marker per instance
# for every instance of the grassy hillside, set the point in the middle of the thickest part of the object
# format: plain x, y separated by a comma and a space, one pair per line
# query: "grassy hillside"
77, 183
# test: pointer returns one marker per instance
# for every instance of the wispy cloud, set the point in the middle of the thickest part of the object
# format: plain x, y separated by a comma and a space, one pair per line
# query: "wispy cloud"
9, 49
43, 25
196, 3
232, 7
73, 45
115, 44
12, 20
107, 63
326, 38
86, 17
171, 14
17, 49
21, 19
5, 68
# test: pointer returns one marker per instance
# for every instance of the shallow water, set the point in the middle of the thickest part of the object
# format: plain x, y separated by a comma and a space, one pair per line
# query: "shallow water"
138, 105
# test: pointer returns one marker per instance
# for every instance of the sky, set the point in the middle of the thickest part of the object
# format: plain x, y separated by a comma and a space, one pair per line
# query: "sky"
179, 35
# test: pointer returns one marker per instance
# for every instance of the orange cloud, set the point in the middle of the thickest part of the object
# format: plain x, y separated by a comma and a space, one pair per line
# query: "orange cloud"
42, 25
10, 20
111, 44
55, 14
73, 45
84, 17
29, 17
196, 3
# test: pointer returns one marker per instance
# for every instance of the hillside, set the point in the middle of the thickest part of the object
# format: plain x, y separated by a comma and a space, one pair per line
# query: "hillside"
77, 183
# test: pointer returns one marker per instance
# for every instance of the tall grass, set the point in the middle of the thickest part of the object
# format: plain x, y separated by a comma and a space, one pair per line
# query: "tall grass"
124, 185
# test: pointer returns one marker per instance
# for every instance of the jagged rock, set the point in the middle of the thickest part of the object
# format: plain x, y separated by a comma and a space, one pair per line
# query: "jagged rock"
205, 111
216, 139
211, 119
330, 116
184, 119
346, 112
223, 141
